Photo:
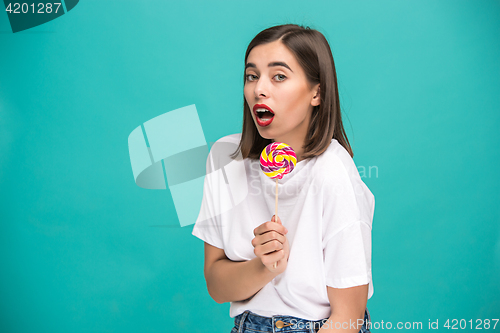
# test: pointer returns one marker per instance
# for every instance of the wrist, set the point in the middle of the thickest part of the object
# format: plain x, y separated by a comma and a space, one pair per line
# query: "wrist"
263, 270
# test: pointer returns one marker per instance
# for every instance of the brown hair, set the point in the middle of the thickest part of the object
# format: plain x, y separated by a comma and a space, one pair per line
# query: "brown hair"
313, 53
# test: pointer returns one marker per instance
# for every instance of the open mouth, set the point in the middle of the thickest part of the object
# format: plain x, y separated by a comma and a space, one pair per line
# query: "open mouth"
264, 115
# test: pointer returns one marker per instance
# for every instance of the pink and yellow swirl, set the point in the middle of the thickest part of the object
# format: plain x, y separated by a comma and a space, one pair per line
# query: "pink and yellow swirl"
277, 159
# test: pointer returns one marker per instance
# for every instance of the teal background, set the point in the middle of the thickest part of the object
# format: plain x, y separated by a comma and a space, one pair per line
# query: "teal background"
84, 249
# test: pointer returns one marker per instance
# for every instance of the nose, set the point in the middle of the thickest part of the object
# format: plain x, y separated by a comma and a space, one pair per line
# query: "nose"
261, 89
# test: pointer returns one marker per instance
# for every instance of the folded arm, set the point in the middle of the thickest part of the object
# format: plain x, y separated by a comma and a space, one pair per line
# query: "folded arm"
347, 309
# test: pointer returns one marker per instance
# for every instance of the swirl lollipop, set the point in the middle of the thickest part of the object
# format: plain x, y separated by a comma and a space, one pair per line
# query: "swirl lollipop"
277, 160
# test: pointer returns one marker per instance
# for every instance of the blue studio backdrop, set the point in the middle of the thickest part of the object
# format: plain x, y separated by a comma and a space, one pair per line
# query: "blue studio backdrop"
95, 239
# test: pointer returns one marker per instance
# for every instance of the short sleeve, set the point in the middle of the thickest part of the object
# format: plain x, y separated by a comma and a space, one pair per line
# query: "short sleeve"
207, 226
348, 207
347, 256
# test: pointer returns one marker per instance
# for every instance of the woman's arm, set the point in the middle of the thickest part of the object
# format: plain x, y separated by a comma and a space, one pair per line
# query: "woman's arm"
347, 309
229, 281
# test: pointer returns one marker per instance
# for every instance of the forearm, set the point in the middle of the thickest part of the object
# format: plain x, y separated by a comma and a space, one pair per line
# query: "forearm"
229, 281
343, 323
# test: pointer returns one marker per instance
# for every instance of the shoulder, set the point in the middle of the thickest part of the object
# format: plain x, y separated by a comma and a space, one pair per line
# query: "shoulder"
222, 149
341, 180
232, 138
335, 164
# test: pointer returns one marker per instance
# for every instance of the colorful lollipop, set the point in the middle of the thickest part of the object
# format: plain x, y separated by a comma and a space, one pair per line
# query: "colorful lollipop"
277, 160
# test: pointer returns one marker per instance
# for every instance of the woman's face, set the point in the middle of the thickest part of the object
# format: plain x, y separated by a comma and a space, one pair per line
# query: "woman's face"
275, 80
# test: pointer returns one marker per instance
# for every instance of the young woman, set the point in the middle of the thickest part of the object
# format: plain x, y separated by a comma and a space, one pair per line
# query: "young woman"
321, 243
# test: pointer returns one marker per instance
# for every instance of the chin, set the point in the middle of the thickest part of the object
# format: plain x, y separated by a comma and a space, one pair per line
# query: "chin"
265, 133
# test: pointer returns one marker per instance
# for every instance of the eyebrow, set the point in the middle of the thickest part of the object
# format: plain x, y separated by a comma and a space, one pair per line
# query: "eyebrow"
271, 64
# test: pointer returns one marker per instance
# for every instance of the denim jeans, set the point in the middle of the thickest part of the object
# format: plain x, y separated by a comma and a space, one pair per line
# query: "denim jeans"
250, 322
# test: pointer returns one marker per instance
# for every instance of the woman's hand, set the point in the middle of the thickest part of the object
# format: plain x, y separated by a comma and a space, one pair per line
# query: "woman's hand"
271, 245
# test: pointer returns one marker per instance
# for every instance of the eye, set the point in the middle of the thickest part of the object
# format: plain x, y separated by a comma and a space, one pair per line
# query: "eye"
251, 77
281, 75
247, 77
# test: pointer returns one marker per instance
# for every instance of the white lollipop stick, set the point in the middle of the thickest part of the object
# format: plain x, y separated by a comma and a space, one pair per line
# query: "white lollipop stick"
276, 212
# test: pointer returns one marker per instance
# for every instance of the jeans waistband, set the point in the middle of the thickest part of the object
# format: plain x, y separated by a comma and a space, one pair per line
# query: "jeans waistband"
281, 323
249, 320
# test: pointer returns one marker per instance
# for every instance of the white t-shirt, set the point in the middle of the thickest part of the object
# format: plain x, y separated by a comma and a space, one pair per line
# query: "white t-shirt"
323, 203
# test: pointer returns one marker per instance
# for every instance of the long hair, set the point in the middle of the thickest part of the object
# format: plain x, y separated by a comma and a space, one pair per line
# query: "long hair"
313, 53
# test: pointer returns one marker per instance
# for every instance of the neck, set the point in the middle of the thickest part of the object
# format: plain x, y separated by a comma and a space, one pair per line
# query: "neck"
296, 145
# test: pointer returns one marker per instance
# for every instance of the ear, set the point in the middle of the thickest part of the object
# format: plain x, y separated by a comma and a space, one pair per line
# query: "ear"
317, 97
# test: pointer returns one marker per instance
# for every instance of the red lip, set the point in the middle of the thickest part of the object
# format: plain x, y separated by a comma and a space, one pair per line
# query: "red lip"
264, 106
262, 122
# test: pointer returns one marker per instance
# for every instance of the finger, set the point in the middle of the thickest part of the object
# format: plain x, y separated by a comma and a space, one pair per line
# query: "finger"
270, 259
264, 227
271, 235
276, 226
272, 246
269, 247
267, 237
268, 226
273, 219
